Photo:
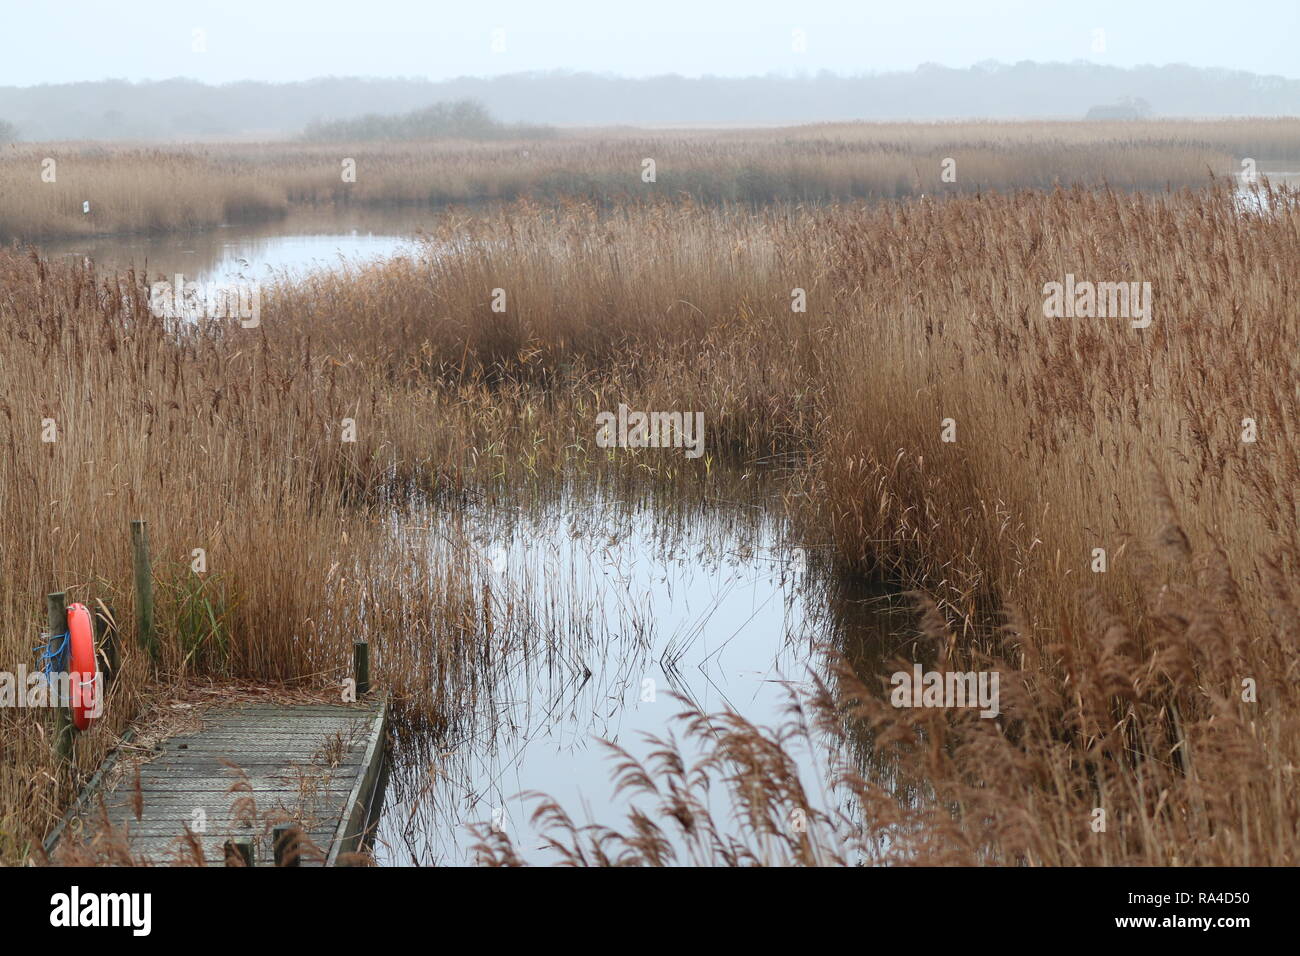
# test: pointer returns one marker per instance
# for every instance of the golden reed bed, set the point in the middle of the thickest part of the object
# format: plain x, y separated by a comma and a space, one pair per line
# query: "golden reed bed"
43, 186
1123, 690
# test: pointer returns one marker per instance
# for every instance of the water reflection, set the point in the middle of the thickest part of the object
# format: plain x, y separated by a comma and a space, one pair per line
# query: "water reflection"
305, 239
646, 601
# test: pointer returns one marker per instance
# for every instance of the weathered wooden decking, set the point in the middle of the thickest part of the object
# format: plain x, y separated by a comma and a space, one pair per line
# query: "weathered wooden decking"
318, 766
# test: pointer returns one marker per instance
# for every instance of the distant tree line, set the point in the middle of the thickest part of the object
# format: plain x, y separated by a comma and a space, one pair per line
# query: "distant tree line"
186, 109
1130, 108
459, 119
8, 132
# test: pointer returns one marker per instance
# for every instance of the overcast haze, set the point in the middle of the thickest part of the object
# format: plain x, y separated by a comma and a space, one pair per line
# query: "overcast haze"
79, 40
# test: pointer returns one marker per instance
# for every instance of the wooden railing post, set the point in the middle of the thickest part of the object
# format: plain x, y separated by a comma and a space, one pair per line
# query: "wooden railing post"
143, 588
287, 846
239, 852
56, 606
361, 666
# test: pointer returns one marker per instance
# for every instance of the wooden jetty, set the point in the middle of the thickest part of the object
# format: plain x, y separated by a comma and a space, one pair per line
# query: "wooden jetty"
314, 771
261, 783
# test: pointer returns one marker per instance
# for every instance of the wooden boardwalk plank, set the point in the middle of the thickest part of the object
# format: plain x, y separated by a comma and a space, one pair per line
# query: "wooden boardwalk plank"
319, 766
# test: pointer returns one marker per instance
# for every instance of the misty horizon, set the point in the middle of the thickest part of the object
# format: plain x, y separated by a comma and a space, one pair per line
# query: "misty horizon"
985, 65
187, 108
245, 69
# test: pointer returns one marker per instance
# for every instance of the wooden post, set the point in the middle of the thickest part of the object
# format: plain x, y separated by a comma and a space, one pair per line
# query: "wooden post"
361, 666
56, 606
239, 852
285, 842
143, 588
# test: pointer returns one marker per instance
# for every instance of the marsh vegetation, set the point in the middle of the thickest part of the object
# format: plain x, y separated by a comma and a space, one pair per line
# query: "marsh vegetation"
1121, 690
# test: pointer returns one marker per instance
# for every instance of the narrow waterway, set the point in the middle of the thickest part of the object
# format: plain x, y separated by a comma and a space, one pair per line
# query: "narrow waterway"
306, 239
645, 610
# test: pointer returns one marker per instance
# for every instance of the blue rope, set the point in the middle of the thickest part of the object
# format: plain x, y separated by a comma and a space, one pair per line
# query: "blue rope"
48, 654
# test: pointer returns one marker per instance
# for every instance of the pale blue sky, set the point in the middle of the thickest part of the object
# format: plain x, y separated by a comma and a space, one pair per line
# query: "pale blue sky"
280, 40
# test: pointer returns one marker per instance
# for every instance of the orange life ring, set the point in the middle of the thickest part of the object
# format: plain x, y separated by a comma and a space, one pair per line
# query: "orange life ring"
83, 676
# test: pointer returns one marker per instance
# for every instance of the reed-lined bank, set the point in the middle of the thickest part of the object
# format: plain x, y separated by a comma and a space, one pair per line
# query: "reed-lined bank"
138, 189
